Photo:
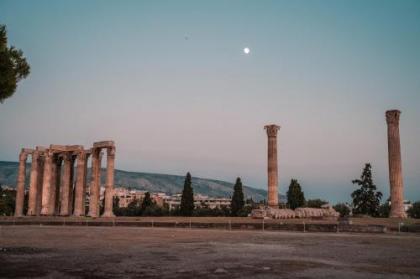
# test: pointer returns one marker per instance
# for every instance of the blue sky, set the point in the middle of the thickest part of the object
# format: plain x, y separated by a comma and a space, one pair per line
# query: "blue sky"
169, 82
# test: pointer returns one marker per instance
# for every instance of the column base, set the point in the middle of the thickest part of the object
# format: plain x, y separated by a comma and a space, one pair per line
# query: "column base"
108, 214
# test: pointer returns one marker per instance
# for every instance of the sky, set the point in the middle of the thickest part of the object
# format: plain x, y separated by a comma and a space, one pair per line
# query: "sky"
169, 82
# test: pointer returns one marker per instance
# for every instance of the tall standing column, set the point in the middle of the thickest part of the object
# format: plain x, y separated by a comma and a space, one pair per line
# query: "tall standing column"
41, 161
71, 192
272, 168
53, 185
20, 187
109, 190
47, 183
65, 183
56, 199
94, 185
79, 199
395, 165
33, 184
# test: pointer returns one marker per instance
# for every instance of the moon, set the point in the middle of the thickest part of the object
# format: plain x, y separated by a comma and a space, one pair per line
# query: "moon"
247, 50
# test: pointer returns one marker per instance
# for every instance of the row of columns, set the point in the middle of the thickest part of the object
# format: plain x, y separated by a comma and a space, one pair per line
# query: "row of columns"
52, 177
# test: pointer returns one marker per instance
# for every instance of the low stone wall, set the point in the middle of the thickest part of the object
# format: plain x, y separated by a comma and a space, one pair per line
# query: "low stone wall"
262, 226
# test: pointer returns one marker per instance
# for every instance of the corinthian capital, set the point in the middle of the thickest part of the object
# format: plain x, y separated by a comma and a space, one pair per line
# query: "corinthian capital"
272, 130
392, 116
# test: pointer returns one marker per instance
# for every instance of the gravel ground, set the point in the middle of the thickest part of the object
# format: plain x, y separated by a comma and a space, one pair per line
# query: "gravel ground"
121, 252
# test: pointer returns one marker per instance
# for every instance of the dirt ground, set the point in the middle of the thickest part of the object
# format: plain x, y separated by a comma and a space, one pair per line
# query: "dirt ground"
124, 252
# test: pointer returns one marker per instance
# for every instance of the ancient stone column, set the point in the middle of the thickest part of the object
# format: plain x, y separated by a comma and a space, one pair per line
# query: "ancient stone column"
94, 185
47, 182
53, 185
395, 166
20, 187
79, 199
272, 165
41, 161
65, 185
33, 184
55, 200
109, 190
71, 192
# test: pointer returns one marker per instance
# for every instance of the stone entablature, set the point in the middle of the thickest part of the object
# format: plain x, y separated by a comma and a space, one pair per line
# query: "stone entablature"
56, 188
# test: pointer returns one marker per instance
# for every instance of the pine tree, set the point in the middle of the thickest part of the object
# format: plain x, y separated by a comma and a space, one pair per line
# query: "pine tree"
13, 66
366, 200
187, 199
237, 203
147, 202
295, 196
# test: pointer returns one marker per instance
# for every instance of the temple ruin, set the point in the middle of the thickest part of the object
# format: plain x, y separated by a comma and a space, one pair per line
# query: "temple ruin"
58, 188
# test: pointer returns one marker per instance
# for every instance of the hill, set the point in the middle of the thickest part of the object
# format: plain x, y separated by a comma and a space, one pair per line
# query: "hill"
153, 182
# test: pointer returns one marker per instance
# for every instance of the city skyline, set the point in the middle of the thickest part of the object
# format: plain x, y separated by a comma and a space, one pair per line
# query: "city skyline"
171, 84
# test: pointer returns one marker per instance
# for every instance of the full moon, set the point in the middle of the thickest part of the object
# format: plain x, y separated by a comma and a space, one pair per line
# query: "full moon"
247, 50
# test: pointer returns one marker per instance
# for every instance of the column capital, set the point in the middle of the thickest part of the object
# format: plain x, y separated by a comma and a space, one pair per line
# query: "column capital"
111, 152
272, 130
392, 116
23, 155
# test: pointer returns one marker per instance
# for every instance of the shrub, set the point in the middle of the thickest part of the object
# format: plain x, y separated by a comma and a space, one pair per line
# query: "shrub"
414, 211
343, 209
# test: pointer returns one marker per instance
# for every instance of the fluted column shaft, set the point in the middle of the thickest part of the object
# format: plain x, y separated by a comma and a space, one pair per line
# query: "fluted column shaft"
65, 185
56, 201
94, 185
109, 190
40, 183
33, 184
79, 199
20, 187
71, 192
395, 165
272, 169
53, 186
47, 182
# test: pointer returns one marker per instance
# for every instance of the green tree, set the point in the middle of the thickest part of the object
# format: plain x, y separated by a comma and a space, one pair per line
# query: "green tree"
13, 66
237, 203
295, 196
384, 210
366, 200
343, 209
414, 211
315, 203
7, 201
187, 199
147, 202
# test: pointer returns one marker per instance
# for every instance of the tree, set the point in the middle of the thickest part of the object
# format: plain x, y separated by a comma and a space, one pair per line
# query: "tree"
295, 196
414, 211
384, 210
147, 202
315, 203
187, 199
343, 209
13, 66
366, 199
7, 201
237, 203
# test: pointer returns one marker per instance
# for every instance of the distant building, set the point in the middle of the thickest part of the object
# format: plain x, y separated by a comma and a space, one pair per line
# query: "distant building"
126, 196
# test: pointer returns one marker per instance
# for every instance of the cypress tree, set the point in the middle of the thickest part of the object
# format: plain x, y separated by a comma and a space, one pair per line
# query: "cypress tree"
237, 203
187, 199
366, 200
295, 196
147, 202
